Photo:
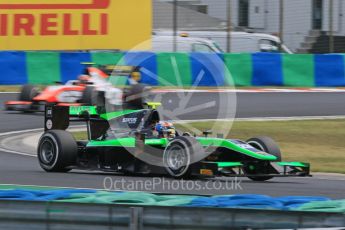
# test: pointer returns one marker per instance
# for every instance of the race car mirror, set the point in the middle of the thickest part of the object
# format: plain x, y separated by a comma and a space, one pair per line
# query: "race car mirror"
56, 117
207, 133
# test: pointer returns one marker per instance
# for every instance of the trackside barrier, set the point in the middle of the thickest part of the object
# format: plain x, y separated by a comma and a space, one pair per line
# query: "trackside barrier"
182, 69
311, 203
31, 215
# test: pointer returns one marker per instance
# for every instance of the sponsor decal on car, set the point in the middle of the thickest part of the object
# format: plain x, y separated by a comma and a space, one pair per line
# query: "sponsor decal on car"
77, 110
130, 120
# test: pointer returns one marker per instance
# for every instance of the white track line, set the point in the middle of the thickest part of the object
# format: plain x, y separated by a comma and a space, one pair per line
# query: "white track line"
267, 119
77, 127
52, 187
293, 118
20, 132
16, 152
258, 90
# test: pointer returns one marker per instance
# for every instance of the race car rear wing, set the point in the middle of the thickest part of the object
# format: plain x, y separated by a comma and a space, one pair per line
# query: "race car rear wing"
114, 70
118, 70
60, 117
56, 117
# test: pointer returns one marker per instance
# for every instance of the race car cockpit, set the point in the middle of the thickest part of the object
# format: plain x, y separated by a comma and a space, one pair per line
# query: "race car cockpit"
143, 121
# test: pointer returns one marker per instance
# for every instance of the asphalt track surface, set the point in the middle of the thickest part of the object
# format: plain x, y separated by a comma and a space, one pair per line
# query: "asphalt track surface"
24, 170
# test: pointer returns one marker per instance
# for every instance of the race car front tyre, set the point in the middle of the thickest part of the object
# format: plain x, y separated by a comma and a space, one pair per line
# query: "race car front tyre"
57, 151
267, 145
179, 155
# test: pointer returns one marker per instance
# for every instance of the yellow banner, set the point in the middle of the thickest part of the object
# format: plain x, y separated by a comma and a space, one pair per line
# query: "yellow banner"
75, 24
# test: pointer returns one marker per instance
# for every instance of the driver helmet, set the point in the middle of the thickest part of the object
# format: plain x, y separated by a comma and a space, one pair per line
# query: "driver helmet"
135, 76
165, 129
84, 79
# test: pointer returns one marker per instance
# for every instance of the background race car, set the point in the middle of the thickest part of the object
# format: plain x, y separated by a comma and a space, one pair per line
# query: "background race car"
94, 81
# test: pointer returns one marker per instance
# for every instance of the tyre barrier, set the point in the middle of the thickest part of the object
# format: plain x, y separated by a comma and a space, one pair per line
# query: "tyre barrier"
181, 69
298, 203
255, 201
324, 206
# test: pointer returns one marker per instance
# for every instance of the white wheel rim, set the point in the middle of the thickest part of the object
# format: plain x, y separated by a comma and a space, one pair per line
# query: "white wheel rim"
43, 156
178, 162
257, 145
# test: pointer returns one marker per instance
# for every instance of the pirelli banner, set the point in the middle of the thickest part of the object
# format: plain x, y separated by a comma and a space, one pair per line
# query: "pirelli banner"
75, 24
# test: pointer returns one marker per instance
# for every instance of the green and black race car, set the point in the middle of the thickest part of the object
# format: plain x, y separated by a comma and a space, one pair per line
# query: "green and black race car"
124, 142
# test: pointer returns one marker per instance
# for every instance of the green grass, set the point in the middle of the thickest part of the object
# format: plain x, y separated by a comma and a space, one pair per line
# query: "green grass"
10, 88
80, 135
320, 142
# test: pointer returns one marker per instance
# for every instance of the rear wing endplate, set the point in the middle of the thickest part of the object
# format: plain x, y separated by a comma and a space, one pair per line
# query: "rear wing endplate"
59, 117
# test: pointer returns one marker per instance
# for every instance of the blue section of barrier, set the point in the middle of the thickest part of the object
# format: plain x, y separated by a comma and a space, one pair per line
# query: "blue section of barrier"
292, 202
207, 69
142, 198
254, 201
33, 195
13, 68
148, 62
267, 69
329, 70
70, 65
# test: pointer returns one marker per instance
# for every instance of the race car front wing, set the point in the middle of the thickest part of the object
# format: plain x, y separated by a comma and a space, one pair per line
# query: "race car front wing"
237, 169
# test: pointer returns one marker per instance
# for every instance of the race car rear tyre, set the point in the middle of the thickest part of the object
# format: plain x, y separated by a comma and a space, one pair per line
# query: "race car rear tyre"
179, 155
57, 151
267, 145
28, 92
89, 96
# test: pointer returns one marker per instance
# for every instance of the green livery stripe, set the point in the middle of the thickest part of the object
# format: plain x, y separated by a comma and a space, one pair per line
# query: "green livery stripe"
206, 142
128, 142
157, 142
112, 115
229, 164
174, 69
294, 164
107, 58
239, 70
215, 142
76, 110
43, 67
298, 70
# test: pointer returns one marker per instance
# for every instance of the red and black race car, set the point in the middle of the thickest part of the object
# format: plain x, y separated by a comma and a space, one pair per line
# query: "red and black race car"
82, 91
